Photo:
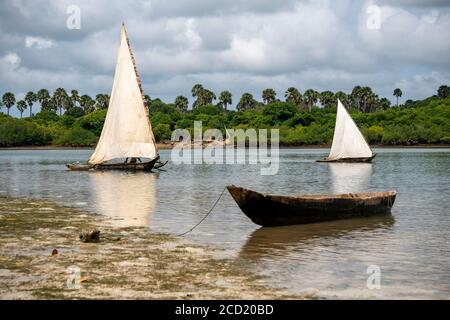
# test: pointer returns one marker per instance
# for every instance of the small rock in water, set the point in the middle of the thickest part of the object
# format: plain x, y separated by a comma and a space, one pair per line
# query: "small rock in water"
90, 236
54, 252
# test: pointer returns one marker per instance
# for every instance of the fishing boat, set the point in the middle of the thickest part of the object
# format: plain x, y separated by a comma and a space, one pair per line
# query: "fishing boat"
269, 210
127, 141
348, 144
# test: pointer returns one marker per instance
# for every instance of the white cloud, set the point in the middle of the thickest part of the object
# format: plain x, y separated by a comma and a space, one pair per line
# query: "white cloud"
424, 85
247, 53
39, 43
430, 17
410, 39
235, 45
184, 32
10, 61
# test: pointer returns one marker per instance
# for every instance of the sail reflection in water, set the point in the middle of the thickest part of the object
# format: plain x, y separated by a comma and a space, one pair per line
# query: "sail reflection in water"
127, 198
350, 177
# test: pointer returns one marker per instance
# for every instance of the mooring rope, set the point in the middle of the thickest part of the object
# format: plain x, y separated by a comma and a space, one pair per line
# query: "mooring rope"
206, 215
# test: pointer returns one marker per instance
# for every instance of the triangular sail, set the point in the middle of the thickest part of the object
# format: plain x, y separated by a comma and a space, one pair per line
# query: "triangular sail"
127, 131
348, 141
227, 136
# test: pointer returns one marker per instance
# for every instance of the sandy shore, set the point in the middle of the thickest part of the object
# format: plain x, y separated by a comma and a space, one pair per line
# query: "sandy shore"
139, 265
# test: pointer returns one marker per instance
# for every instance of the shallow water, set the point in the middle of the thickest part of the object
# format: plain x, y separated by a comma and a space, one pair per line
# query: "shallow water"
411, 248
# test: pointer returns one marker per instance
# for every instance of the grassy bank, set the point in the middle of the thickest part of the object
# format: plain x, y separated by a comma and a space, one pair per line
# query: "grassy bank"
425, 122
139, 265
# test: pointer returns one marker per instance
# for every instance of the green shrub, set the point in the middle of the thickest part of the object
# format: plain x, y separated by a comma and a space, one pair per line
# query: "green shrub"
93, 121
75, 112
76, 137
162, 132
162, 118
208, 109
374, 134
279, 112
18, 132
46, 116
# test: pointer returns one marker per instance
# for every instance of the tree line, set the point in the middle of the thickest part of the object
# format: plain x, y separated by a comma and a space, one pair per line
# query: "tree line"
77, 120
361, 99
57, 102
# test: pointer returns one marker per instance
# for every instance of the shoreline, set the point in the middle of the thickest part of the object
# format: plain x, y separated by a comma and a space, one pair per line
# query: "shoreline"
169, 146
39, 245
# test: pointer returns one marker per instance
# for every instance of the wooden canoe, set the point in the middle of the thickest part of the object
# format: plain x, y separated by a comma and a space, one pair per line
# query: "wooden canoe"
368, 159
274, 210
137, 166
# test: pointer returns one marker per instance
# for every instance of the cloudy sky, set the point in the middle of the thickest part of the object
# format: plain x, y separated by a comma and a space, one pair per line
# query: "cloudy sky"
241, 46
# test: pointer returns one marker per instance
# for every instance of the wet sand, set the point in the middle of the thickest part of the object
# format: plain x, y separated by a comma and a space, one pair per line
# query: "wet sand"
139, 265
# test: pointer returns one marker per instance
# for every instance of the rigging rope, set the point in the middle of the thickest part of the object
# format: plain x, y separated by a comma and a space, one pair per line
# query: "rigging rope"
206, 215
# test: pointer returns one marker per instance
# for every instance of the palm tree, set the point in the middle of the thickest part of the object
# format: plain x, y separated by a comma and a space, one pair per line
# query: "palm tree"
8, 100
68, 103
372, 103
101, 101
397, 93
311, 97
269, 95
366, 96
207, 97
60, 99
294, 96
246, 102
443, 92
30, 99
384, 103
196, 89
74, 97
43, 96
204, 96
87, 103
327, 99
181, 103
21, 106
225, 99
356, 98
343, 97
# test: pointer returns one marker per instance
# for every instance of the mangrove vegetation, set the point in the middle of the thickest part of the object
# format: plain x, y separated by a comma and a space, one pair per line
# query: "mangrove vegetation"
71, 119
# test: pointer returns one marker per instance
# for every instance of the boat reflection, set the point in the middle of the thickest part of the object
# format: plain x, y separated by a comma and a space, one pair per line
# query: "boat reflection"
276, 241
128, 199
350, 177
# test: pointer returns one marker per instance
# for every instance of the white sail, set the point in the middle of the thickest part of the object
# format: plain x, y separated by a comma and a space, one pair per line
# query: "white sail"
227, 136
348, 141
127, 131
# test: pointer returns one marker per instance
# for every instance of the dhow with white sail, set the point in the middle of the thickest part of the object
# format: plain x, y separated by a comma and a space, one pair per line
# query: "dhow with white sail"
127, 141
348, 144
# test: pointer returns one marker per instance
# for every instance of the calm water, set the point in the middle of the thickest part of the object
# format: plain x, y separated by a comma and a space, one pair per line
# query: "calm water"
411, 248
